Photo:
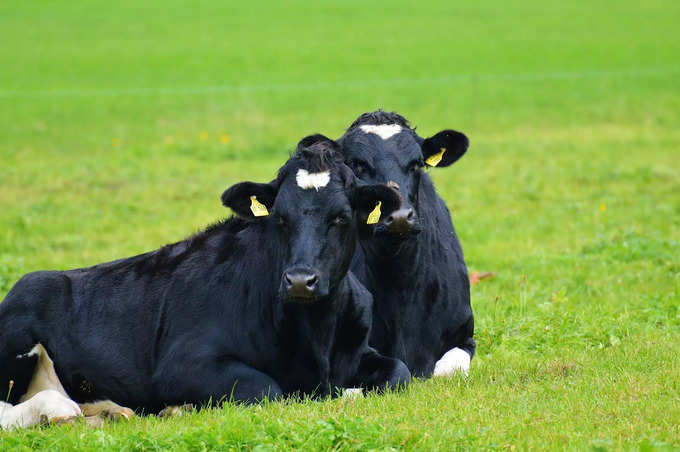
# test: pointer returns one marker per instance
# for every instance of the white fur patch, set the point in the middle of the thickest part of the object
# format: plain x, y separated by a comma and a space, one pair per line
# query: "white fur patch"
47, 405
384, 131
352, 393
46, 399
44, 375
455, 360
307, 180
34, 351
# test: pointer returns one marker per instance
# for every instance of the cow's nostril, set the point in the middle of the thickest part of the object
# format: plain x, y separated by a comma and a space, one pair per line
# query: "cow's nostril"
410, 214
311, 282
289, 282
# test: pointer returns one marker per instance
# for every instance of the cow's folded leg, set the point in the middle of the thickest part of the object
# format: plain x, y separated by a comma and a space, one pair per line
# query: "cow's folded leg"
380, 372
203, 383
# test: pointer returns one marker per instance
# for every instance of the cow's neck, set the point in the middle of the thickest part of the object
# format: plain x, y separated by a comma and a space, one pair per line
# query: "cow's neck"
392, 266
313, 329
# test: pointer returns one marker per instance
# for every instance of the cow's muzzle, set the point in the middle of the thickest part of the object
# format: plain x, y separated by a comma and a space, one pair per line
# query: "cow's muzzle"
300, 284
401, 222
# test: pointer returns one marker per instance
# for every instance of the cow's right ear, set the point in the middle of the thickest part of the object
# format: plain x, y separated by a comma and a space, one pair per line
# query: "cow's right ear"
250, 199
374, 202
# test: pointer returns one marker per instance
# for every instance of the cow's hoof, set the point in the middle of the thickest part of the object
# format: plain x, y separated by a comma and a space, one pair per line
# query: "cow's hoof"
95, 421
107, 410
454, 361
59, 420
176, 410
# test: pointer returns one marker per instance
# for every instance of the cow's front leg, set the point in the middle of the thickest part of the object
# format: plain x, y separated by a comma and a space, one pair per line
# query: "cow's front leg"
380, 372
210, 382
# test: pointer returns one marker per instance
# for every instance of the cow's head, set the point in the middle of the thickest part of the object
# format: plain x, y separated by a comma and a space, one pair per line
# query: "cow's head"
311, 211
382, 148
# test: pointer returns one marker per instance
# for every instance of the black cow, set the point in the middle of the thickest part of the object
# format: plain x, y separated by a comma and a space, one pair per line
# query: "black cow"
411, 260
256, 306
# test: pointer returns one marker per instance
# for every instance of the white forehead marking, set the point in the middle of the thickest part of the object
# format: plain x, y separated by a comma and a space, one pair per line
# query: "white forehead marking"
384, 131
307, 180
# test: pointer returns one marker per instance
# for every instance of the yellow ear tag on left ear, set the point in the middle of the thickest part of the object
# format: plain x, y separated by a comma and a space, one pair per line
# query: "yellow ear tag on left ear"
374, 216
434, 159
258, 209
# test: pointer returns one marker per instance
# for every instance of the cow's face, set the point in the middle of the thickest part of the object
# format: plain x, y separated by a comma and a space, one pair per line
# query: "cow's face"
312, 208
392, 153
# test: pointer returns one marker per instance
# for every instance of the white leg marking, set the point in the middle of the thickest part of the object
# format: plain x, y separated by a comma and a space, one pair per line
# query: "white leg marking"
455, 360
307, 180
44, 376
384, 131
47, 405
40, 397
352, 393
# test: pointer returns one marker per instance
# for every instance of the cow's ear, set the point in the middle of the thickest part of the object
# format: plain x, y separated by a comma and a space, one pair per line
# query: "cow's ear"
374, 202
250, 199
444, 148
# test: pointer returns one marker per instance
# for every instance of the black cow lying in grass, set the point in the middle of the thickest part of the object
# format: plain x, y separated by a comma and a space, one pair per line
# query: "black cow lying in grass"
257, 306
412, 261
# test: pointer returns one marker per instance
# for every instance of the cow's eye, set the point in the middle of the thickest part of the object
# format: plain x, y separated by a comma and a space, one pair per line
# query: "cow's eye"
340, 220
359, 169
414, 166
281, 221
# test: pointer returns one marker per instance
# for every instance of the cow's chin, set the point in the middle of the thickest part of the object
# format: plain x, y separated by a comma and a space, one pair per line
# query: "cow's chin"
382, 232
315, 299
299, 300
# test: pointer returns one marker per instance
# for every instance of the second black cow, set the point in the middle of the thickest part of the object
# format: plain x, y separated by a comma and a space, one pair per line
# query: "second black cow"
412, 260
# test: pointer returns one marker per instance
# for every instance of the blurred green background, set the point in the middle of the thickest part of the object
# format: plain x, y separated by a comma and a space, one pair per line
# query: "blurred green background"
121, 124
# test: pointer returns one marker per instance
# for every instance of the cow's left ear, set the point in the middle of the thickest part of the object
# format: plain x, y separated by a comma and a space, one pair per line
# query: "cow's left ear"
250, 199
444, 148
374, 202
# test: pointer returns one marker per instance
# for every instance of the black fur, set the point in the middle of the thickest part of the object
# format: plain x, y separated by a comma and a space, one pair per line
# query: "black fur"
419, 280
205, 319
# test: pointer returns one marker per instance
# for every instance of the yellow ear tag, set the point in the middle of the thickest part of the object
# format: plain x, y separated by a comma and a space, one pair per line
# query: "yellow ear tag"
434, 159
374, 216
258, 209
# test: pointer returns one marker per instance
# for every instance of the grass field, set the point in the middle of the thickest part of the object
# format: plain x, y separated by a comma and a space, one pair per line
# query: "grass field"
121, 125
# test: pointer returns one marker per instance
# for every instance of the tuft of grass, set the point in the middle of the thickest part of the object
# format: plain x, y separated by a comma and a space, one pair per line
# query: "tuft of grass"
122, 125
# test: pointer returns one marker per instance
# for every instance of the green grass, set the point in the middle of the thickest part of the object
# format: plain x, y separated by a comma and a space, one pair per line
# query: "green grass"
110, 125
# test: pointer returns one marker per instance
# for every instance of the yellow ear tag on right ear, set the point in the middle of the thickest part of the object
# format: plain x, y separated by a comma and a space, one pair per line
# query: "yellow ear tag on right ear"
374, 216
258, 209
434, 159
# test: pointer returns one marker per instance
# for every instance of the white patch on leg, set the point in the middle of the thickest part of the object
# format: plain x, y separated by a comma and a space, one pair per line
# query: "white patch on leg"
47, 405
40, 402
44, 375
384, 131
455, 360
307, 180
34, 351
352, 393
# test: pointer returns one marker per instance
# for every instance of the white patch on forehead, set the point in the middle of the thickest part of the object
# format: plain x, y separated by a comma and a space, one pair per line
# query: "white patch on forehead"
307, 180
384, 131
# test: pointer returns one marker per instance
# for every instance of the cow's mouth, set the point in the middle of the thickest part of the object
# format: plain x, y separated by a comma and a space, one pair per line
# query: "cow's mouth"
300, 300
383, 232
